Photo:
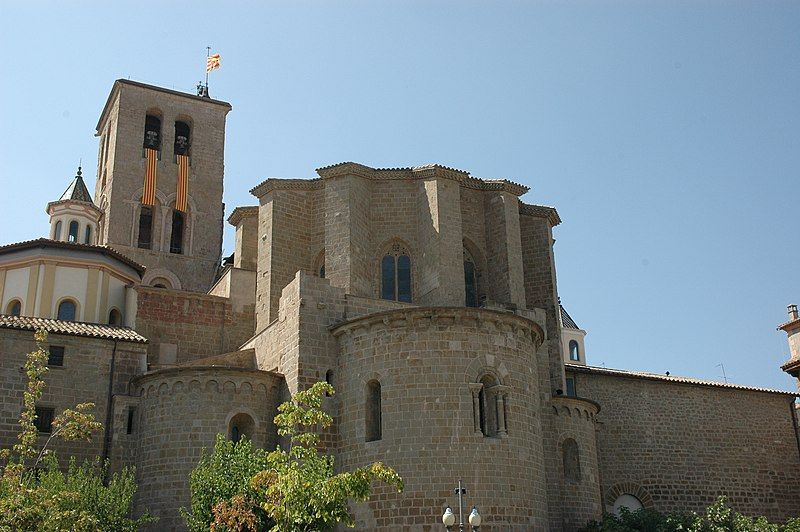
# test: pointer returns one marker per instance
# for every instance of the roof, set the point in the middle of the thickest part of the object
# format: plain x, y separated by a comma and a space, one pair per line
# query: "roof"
77, 190
71, 328
47, 243
541, 211
239, 213
118, 83
566, 320
578, 368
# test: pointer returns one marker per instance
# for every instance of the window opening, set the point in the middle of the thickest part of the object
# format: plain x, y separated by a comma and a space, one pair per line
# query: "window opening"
73, 231
55, 355
372, 418
176, 240
66, 310
145, 227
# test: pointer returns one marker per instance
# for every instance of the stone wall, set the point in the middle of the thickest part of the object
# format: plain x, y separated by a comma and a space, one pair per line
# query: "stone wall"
190, 325
684, 445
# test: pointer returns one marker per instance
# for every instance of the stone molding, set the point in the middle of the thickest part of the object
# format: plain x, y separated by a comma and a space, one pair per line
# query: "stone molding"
431, 171
630, 488
540, 211
570, 406
169, 381
427, 316
240, 213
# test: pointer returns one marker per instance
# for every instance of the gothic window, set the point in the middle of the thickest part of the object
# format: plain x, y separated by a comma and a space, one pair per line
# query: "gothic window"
57, 231
572, 460
73, 231
55, 356
470, 280
152, 132
88, 235
574, 350
14, 307
241, 425
145, 227
131, 420
372, 417
67, 310
182, 138
114, 317
176, 240
396, 274
44, 419
488, 406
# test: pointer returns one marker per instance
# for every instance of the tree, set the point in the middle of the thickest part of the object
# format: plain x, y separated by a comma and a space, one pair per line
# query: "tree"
297, 490
36, 495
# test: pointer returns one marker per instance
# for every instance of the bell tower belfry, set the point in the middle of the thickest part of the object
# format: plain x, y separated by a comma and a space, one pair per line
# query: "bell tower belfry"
160, 181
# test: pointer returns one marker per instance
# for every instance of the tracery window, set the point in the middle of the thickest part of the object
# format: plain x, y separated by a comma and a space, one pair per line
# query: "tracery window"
372, 417
396, 274
470, 280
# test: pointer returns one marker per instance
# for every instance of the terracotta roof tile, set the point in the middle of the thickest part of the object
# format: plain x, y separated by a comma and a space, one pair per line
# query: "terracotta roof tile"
71, 328
46, 242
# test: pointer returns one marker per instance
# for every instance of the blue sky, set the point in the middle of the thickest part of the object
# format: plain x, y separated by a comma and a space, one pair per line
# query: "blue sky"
666, 134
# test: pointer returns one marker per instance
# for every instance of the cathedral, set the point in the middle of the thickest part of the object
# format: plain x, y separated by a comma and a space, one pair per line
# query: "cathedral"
426, 296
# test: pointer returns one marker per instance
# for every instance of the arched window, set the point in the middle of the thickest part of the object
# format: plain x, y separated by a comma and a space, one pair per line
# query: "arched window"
396, 274
628, 501
114, 317
14, 307
470, 280
145, 227
488, 406
152, 132
176, 240
73, 231
574, 350
182, 138
67, 310
88, 235
57, 231
372, 417
241, 425
572, 460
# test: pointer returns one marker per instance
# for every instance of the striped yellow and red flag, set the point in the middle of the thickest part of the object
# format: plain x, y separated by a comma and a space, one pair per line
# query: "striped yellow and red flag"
212, 62
149, 192
182, 196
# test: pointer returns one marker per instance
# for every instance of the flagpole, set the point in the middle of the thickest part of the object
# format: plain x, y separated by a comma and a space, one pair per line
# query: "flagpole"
208, 54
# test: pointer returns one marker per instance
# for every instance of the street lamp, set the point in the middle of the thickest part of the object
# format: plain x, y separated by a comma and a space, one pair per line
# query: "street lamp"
449, 518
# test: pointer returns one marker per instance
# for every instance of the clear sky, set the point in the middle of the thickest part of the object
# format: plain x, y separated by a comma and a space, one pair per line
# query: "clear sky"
666, 134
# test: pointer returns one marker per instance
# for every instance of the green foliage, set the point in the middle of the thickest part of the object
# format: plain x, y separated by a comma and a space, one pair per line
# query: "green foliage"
36, 495
719, 517
221, 477
291, 490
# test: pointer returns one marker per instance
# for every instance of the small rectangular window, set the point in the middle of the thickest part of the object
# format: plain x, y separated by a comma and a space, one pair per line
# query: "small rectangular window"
44, 419
56, 355
131, 418
571, 387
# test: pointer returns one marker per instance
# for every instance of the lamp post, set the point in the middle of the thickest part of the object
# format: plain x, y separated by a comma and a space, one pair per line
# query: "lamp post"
449, 518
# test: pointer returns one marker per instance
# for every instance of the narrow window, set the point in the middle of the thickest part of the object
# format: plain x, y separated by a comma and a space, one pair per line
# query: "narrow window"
404, 278
44, 419
572, 460
145, 227
131, 417
396, 275
574, 350
329, 380
152, 132
387, 277
322, 271
488, 406
55, 356
241, 425
181, 138
571, 387
176, 240
57, 231
372, 418
66, 310
114, 317
73, 231
88, 239
14, 308
470, 284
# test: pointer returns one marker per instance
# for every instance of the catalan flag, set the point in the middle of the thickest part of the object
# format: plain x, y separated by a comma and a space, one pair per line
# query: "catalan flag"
182, 196
149, 191
212, 62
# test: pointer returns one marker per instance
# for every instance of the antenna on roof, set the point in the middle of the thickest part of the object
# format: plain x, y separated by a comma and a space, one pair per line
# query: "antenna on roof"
724, 376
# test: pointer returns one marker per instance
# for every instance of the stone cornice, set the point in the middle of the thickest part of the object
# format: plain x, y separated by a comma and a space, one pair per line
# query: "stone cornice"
211, 372
415, 316
789, 325
75, 203
588, 405
541, 211
240, 213
431, 171
792, 367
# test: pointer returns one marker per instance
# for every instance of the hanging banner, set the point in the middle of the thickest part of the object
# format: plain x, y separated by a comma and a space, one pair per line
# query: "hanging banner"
149, 193
182, 196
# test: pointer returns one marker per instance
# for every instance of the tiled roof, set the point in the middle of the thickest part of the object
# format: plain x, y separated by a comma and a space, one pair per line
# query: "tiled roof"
77, 190
577, 368
566, 319
72, 328
46, 242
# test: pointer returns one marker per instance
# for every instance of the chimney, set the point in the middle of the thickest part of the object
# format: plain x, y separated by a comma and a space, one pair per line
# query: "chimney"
792, 312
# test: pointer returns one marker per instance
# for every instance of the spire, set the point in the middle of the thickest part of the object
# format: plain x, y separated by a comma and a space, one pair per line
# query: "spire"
77, 190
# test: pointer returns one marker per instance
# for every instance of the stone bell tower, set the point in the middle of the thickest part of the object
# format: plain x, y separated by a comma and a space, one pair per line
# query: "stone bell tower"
160, 180
792, 330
